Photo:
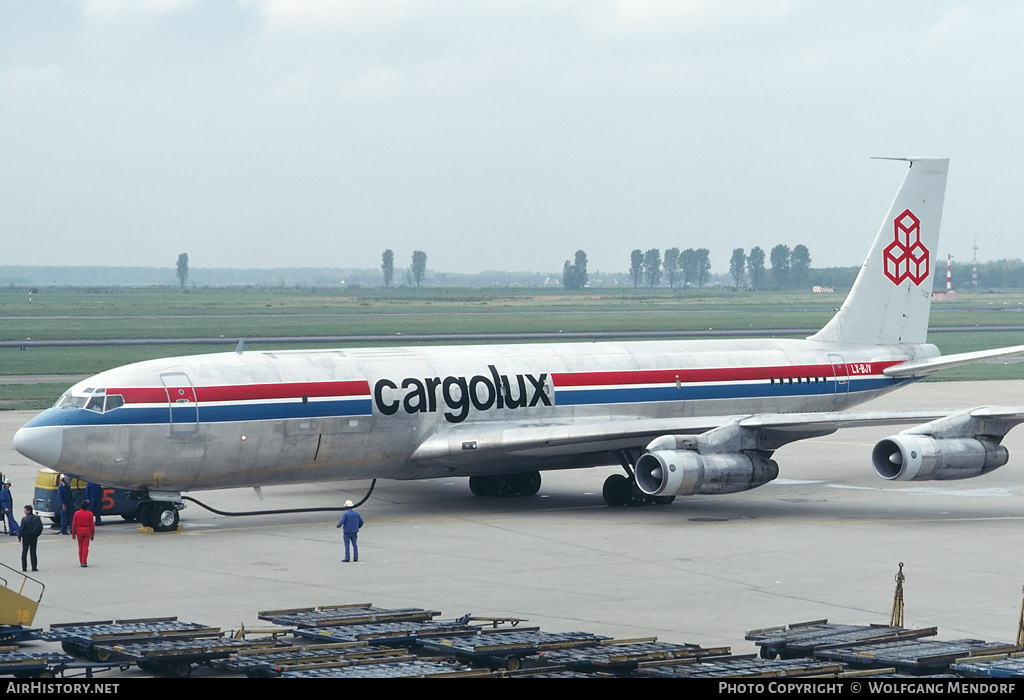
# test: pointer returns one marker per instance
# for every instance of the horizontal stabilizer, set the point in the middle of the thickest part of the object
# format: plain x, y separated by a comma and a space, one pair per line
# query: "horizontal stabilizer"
924, 366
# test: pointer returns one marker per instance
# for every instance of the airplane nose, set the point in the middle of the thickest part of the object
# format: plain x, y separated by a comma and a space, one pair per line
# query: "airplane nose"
42, 444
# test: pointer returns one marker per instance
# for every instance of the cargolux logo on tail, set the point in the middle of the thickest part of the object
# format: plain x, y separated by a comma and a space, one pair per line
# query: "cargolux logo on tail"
906, 258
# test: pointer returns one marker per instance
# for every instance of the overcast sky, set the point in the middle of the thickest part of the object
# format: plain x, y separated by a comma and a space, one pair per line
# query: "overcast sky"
497, 135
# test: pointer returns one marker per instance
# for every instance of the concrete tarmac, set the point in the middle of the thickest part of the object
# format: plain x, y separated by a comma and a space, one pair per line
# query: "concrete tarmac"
823, 541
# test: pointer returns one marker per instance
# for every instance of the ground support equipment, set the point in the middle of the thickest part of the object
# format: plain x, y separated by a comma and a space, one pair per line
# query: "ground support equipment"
82, 638
739, 667
387, 633
803, 639
620, 657
22, 664
271, 663
175, 657
507, 648
20, 595
16, 634
917, 657
360, 613
998, 666
405, 669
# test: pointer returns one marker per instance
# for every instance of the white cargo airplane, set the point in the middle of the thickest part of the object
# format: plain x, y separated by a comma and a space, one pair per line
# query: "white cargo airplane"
681, 417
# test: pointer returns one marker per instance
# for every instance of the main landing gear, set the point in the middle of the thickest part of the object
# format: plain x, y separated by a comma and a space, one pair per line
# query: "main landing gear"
622, 490
527, 484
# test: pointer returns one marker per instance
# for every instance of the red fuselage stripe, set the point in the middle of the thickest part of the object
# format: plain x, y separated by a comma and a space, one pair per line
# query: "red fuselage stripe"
249, 392
713, 374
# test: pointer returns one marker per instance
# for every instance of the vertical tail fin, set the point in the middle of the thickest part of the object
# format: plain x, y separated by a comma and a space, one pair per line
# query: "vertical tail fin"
891, 298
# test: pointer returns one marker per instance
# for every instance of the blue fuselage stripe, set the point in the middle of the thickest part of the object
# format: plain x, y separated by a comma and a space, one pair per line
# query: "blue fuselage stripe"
229, 413
690, 392
208, 413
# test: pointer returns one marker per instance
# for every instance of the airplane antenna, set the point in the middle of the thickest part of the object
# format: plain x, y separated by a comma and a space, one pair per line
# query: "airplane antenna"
241, 343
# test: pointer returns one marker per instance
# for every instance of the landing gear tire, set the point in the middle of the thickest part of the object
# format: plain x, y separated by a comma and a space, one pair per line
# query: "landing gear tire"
503, 485
529, 484
164, 517
478, 485
622, 491
617, 490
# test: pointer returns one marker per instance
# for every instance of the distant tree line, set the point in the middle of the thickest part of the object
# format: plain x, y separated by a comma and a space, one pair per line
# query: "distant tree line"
692, 267
574, 274
752, 274
787, 269
417, 271
688, 267
181, 269
995, 274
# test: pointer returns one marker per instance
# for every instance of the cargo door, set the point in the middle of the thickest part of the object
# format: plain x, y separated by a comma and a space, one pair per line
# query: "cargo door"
181, 402
839, 373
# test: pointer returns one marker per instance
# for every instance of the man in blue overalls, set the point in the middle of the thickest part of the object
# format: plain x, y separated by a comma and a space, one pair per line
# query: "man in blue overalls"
94, 494
350, 523
66, 503
7, 506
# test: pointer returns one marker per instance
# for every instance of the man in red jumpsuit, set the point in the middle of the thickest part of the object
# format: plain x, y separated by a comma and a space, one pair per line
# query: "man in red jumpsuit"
83, 529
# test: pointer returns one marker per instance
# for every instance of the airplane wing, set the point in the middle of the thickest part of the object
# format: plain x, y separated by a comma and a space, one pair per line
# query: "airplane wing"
918, 368
724, 454
483, 442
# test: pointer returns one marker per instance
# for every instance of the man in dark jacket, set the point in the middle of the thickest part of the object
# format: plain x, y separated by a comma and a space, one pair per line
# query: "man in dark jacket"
31, 529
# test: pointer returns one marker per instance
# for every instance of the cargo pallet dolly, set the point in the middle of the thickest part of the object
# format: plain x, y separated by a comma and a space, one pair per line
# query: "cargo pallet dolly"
175, 657
507, 649
85, 638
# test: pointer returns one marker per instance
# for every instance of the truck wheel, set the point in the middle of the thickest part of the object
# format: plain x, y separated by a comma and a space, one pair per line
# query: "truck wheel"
144, 512
164, 517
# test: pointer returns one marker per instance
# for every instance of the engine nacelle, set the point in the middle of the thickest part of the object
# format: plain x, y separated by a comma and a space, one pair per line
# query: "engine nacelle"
909, 457
685, 472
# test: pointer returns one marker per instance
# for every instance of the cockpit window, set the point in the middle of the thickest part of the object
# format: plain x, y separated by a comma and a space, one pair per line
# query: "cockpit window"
69, 401
98, 401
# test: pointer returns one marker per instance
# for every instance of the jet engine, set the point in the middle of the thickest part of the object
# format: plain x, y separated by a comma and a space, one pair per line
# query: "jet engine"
686, 472
910, 457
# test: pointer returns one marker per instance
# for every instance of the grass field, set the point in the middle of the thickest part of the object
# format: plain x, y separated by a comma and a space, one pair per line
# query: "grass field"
236, 313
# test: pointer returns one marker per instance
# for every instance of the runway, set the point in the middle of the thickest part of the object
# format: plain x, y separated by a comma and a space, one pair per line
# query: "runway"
823, 541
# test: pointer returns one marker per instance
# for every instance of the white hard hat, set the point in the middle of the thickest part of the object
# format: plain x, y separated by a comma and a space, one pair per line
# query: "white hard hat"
348, 504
